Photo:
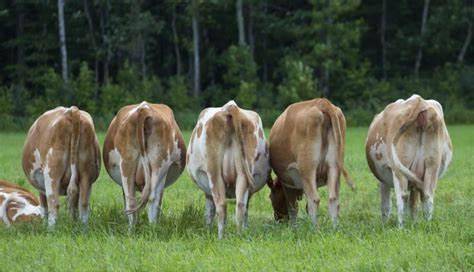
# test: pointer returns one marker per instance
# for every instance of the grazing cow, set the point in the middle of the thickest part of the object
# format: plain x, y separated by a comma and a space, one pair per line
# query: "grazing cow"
408, 147
228, 158
144, 150
306, 152
61, 156
18, 204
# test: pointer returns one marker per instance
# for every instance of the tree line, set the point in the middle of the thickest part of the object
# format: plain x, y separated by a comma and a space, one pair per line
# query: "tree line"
103, 54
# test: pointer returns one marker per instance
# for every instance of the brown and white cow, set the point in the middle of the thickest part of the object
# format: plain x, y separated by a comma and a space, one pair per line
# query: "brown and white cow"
144, 150
408, 147
306, 152
228, 158
18, 204
61, 156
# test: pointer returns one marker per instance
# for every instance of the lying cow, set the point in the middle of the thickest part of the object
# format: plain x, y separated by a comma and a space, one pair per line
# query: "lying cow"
228, 158
18, 204
144, 150
61, 156
408, 147
306, 152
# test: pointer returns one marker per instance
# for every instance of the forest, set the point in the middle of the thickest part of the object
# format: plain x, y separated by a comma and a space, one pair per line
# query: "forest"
102, 54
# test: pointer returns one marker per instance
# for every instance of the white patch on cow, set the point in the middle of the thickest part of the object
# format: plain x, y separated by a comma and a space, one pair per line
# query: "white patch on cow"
3, 208
230, 103
144, 104
73, 172
28, 209
413, 96
115, 160
48, 181
35, 173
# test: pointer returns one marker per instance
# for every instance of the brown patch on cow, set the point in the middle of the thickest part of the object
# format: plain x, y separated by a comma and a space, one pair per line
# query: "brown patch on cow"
199, 131
378, 156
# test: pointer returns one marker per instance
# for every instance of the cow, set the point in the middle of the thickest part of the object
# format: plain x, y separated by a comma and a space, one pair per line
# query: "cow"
228, 158
408, 148
18, 204
61, 156
306, 152
144, 150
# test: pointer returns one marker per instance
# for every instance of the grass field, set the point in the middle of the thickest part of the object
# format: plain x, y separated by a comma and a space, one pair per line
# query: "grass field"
181, 241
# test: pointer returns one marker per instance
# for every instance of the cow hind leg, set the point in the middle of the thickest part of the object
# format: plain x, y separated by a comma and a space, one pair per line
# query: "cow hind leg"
84, 196
53, 172
400, 186
312, 196
386, 203
430, 180
218, 195
73, 193
52, 195
156, 196
210, 211
128, 171
242, 196
333, 187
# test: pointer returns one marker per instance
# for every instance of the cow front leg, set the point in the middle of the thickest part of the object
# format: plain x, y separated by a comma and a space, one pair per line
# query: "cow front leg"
210, 211
400, 186
385, 202
246, 215
241, 197
414, 199
291, 198
333, 187
44, 204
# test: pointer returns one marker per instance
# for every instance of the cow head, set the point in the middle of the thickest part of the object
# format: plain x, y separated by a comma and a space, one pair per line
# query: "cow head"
277, 196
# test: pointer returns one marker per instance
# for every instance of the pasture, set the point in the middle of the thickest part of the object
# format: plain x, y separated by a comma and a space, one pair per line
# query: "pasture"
182, 242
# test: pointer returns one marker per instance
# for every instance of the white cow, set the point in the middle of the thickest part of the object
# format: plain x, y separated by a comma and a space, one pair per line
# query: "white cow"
228, 158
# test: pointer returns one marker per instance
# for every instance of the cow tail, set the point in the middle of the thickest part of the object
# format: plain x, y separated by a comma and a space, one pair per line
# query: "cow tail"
143, 115
239, 140
74, 116
336, 131
398, 127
